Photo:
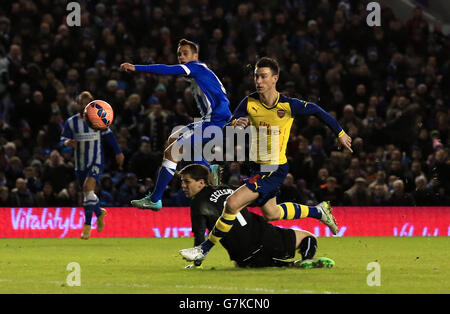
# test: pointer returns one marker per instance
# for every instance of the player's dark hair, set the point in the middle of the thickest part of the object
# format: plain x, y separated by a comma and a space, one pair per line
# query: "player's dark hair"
196, 172
184, 42
266, 62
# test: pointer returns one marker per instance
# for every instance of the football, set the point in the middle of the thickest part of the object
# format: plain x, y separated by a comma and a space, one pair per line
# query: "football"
98, 114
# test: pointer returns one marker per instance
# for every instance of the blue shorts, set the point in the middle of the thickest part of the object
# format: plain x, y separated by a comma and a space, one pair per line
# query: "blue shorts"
266, 183
95, 171
195, 134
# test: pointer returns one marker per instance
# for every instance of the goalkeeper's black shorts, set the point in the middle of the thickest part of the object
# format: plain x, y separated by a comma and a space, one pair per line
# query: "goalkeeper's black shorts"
276, 243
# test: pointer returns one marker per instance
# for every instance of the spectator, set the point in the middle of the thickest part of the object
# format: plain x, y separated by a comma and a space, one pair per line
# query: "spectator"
379, 195
34, 183
145, 163
57, 172
387, 88
5, 198
47, 197
318, 152
399, 197
321, 179
302, 164
14, 170
106, 198
70, 196
108, 189
128, 191
358, 194
331, 192
440, 168
156, 127
289, 191
379, 180
314, 127
21, 195
423, 194
350, 121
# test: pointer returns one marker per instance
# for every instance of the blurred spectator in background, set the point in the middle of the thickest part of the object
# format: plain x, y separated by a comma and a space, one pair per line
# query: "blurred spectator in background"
21, 195
331, 192
387, 86
13, 170
358, 194
289, 191
5, 198
57, 172
71, 195
423, 194
34, 183
379, 195
47, 197
399, 197
145, 163
128, 191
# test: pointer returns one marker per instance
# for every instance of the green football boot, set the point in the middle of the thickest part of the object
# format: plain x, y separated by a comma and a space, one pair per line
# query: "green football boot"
321, 262
146, 203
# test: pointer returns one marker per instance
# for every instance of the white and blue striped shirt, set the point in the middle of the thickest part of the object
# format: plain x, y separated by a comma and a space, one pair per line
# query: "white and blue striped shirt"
209, 93
89, 150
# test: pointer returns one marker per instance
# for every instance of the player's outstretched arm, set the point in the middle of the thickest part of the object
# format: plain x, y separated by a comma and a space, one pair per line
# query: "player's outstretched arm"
161, 69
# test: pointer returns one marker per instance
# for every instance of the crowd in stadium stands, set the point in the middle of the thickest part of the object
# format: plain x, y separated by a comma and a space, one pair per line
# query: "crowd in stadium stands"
387, 86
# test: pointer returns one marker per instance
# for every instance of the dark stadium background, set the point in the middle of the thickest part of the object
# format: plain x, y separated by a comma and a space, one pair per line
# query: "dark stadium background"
388, 86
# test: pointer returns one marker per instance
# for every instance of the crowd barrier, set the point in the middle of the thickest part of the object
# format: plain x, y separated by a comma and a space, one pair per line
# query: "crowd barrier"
173, 222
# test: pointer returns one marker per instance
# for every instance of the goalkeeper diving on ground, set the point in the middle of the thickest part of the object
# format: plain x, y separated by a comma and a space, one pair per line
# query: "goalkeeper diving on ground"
253, 242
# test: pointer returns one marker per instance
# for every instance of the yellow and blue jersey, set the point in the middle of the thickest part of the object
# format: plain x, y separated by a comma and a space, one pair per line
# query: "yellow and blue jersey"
270, 127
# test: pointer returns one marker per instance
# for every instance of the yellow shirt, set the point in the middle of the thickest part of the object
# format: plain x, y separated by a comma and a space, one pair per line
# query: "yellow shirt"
270, 127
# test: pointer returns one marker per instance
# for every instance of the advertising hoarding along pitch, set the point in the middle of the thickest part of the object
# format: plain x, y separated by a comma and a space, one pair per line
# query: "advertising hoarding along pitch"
62, 222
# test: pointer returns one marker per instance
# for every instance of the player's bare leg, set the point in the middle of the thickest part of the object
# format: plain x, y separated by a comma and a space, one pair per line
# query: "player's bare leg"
89, 196
101, 220
86, 233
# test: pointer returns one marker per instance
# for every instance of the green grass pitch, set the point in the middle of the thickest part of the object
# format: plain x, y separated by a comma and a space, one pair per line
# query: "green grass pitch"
152, 265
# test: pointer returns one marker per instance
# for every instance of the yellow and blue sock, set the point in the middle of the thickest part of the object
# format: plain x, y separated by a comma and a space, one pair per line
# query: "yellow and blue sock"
289, 211
222, 227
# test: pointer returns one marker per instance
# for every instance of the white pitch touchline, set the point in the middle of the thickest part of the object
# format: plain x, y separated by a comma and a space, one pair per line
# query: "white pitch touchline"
253, 289
229, 288
133, 285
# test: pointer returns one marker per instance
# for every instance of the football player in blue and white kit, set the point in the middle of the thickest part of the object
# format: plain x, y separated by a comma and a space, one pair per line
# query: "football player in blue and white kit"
212, 102
89, 160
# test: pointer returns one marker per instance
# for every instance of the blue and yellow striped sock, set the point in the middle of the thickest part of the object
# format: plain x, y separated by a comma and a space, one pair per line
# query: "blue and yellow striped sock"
222, 227
289, 211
